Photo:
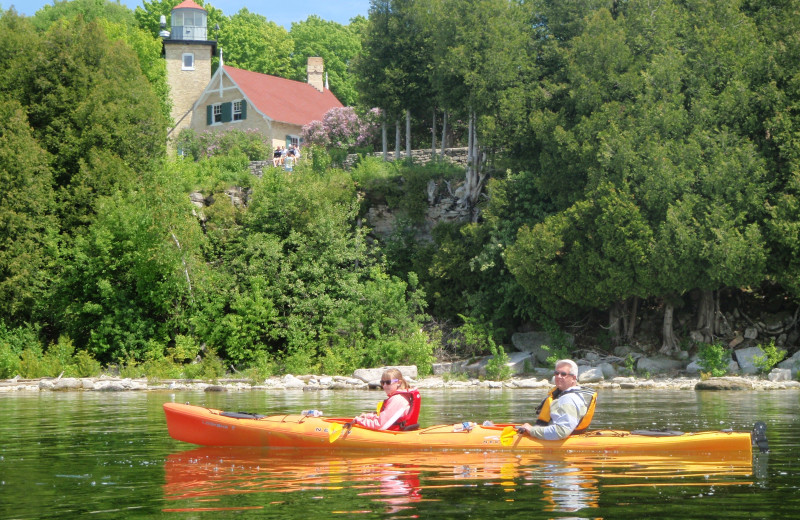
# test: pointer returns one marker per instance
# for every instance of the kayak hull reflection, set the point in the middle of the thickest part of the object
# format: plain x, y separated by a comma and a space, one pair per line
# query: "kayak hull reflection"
210, 427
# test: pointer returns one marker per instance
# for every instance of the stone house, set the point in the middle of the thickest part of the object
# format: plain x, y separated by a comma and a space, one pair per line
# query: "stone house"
233, 97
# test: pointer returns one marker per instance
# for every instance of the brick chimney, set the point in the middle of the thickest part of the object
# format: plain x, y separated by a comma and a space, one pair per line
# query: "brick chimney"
314, 71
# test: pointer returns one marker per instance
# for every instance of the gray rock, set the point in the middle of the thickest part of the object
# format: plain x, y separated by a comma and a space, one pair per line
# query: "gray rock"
792, 363
519, 362
533, 341
68, 383
746, 359
590, 375
609, 372
780, 374
291, 382
693, 368
456, 367
531, 383
724, 383
657, 365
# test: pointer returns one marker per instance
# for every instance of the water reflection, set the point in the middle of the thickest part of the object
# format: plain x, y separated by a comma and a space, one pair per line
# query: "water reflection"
217, 479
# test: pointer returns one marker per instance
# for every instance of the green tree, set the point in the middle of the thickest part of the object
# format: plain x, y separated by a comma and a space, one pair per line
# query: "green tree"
129, 283
28, 228
89, 10
336, 44
249, 41
86, 96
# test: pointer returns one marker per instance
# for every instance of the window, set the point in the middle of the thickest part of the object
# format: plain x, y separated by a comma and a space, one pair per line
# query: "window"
188, 61
237, 110
292, 140
217, 111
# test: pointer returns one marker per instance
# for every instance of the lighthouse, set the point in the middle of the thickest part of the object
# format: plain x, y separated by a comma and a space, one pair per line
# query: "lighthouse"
188, 53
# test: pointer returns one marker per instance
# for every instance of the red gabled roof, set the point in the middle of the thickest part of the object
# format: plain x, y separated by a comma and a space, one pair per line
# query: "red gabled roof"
283, 99
188, 4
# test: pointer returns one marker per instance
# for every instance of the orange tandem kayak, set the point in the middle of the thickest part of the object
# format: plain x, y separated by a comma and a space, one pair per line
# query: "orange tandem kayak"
210, 427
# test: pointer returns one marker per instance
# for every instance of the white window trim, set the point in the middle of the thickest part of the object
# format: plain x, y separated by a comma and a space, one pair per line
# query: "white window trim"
183, 61
293, 140
234, 112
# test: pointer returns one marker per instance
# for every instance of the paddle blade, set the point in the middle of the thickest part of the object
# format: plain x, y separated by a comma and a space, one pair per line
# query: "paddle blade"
335, 431
507, 437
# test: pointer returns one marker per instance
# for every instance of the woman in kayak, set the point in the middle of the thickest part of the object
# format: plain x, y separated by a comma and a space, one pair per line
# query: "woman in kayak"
400, 409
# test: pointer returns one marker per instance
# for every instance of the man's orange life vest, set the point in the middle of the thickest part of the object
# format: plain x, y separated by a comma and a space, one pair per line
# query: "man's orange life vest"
543, 409
409, 419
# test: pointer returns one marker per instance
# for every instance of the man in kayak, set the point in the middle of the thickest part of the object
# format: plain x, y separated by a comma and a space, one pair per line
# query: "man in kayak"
400, 409
567, 409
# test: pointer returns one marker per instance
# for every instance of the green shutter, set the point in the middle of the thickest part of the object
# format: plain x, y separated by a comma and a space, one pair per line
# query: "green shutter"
244, 109
209, 114
227, 112
288, 140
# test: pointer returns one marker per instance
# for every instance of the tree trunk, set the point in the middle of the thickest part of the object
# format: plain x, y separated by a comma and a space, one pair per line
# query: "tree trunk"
630, 328
408, 134
670, 343
444, 133
474, 178
433, 135
384, 142
706, 317
469, 143
397, 154
615, 314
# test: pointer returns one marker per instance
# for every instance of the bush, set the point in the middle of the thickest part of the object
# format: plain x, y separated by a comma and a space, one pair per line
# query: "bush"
771, 357
9, 361
713, 359
250, 142
497, 368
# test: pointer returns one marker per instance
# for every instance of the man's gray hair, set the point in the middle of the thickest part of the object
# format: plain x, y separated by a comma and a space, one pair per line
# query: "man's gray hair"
573, 367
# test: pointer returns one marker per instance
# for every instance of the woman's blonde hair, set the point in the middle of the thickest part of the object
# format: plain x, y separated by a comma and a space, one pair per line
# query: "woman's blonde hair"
393, 373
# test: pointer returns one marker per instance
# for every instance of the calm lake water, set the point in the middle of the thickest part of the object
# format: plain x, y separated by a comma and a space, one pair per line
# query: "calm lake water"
108, 455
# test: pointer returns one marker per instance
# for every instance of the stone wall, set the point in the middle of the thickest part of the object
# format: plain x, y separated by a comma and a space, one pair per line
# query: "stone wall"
453, 155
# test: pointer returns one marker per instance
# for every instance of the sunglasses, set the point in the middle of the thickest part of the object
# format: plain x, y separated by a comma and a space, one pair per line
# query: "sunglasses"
562, 374
385, 382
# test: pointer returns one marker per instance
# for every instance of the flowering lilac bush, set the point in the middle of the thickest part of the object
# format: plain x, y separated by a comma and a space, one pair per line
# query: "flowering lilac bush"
342, 128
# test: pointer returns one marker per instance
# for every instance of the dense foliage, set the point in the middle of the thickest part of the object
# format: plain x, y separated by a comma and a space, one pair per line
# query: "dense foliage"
641, 155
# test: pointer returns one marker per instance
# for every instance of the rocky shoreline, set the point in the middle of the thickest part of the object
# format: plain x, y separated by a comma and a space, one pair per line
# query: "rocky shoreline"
367, 380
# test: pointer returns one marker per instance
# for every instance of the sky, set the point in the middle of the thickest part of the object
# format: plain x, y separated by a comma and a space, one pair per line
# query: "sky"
282, 13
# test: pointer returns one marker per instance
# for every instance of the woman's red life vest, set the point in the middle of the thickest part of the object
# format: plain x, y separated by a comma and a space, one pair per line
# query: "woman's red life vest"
544, 408
410, 418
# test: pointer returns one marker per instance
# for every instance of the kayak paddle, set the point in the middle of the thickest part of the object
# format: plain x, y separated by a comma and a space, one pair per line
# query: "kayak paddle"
336, 430
509, 432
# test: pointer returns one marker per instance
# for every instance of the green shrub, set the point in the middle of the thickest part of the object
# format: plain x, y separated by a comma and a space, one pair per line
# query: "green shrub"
84, 365
30, 363
250, 142
713, 358
771, 357
210, 368
473, 338
556, 353
414, 350
262, 367
9, 361
497, 368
